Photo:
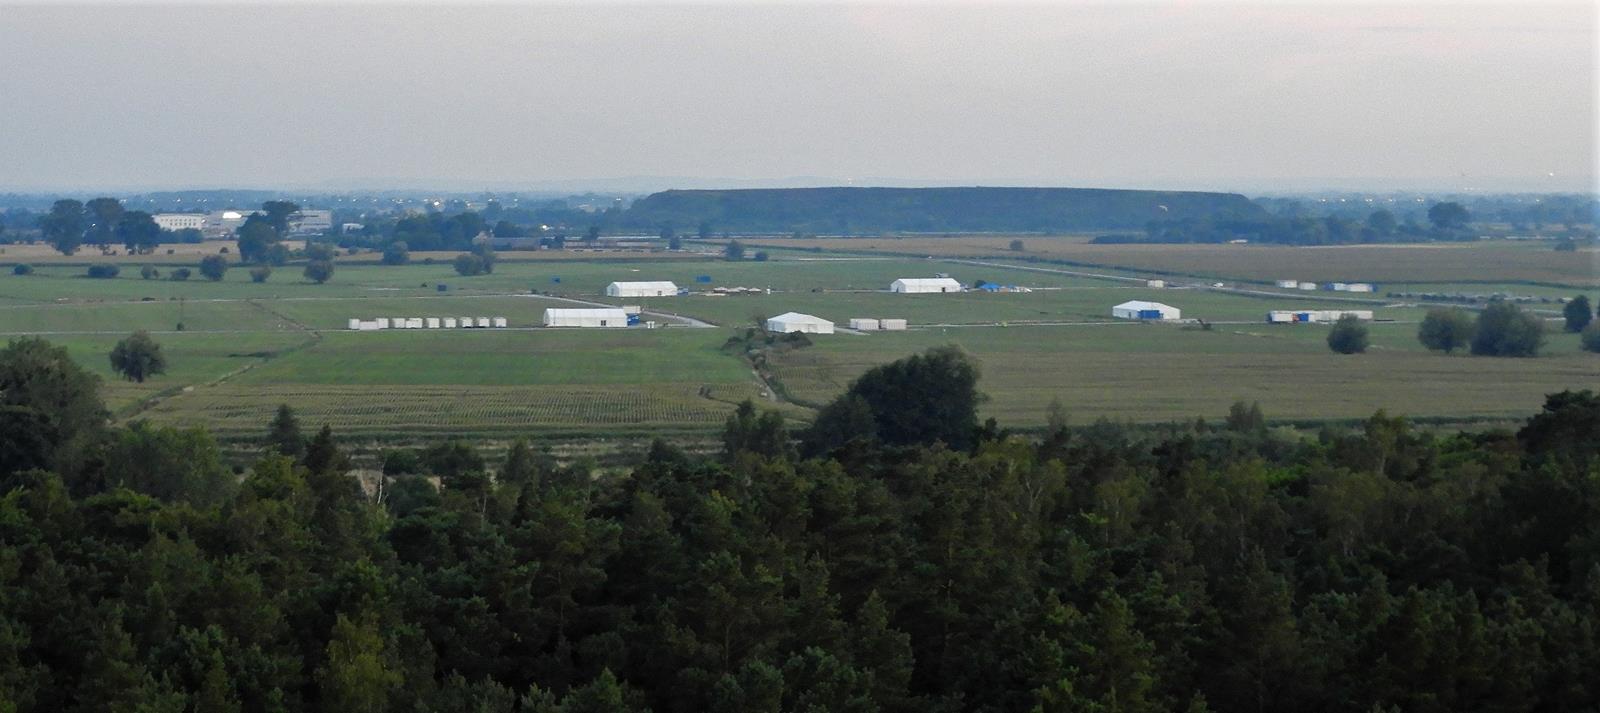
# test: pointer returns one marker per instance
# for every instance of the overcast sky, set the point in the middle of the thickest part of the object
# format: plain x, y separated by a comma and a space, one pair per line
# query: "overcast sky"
1180, 95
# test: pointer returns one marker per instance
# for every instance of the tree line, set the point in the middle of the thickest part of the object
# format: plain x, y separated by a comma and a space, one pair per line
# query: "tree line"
896, 555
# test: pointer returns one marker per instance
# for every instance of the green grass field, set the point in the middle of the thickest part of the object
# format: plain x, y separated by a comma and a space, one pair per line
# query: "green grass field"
248, 347
1487, 261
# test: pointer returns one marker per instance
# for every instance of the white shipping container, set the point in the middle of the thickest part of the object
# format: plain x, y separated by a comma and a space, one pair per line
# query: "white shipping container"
355, 323
433, 323
382, 322
449, 322
500, 322
1288, 284
414, 323
1157, 284
863, 323
483, 322
466, 322
893, 325
1308, 286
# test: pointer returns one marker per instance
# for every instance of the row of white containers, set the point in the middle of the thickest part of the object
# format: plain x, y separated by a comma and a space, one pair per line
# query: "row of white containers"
1285, 316
365, 325
1335, 286
868, 324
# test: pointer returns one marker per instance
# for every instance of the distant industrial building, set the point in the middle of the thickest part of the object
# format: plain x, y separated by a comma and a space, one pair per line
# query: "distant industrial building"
180, 221
1156, 284
311, 222
585, 317
659, 288
796, 322
1288, 284
924, 285
1139, 309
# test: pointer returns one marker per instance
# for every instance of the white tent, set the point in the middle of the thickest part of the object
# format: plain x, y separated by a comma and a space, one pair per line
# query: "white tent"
1139, 309
796, 322
585, 318
922, 285
660, 288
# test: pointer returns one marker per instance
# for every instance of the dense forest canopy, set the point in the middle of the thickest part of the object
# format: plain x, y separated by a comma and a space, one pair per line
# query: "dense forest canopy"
857, 210
1228, 566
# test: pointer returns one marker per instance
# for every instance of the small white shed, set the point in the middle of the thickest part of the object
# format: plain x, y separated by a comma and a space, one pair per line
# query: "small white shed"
449, 322
1140, 309
433, 323
893, 325
657, 288
585, 317
796, 322
355, 322
500, 322
924, 285
864, 323
466, 322
483, 322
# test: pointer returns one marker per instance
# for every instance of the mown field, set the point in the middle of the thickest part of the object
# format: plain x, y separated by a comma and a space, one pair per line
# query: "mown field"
1489, 261
247, 347
1155, 373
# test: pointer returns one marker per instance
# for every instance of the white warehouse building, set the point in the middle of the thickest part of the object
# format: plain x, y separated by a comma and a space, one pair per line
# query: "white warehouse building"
925, 285
585, 317
660, 288
796, 322
1139, 309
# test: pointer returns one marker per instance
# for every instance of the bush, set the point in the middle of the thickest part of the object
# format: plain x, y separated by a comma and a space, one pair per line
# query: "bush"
319, 271
1017, 246
761, 256
22, 269
1348, 336
103, 272
1577, 313
468, 265
180, 274
396, 253
214, 267
149, 272
1505, 330
1445, 330
260, 273
1590, 337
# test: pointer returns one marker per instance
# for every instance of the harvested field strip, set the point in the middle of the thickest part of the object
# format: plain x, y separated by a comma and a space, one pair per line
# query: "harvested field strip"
231, 409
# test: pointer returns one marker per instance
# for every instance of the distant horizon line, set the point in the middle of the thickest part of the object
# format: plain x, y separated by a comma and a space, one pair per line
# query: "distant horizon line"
655, 184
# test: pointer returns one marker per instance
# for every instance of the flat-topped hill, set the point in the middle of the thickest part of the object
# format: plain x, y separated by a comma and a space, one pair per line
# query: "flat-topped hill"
858, 210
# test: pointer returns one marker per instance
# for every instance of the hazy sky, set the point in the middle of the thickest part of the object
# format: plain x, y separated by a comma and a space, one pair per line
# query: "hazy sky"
1191, 94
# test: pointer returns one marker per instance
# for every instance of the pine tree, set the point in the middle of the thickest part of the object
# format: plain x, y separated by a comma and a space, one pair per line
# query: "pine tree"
283, 434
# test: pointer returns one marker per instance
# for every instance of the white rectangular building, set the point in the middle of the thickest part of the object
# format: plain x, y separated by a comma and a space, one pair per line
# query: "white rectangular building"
660, 288
1156, 284
795, 322
500, 322
483, 322
433, 323
864, 323
893, 325
1288, 284
924, 285
180, 221
449, 322
467, 322
1139, 309
585, 317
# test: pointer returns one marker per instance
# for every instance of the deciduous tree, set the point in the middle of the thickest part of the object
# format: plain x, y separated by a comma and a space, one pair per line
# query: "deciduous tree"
138, 357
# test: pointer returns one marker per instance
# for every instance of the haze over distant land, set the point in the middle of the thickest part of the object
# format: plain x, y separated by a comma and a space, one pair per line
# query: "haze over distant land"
1201, 96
